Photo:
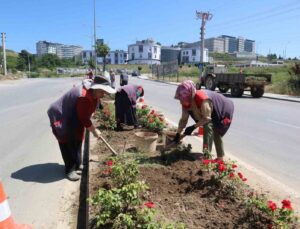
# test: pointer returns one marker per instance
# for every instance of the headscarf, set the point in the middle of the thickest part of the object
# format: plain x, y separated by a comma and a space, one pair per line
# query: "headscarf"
185, 91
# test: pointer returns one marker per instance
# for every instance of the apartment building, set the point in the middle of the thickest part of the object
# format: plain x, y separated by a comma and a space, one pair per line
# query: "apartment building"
61, 50
190, 53
249, 46
117, 57
170, 54
214, 44
113, 57
144, 52
229, 44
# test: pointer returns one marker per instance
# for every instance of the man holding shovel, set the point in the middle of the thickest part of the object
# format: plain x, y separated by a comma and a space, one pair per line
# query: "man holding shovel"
209, 109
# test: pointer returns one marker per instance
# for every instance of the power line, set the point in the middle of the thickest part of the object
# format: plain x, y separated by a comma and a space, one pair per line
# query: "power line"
275, 11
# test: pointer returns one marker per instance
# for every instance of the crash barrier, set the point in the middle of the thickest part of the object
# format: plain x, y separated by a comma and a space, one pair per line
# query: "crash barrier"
6, 220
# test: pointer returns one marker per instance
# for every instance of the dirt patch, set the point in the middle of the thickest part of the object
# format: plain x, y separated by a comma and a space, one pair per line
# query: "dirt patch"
181, 191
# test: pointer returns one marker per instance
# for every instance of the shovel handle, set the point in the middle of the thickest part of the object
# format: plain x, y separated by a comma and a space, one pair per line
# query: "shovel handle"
108, 145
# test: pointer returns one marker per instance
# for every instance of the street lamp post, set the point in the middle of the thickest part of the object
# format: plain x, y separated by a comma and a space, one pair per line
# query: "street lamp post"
95, 38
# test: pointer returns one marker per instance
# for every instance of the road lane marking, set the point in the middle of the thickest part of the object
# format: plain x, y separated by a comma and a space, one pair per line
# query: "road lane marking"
283, 124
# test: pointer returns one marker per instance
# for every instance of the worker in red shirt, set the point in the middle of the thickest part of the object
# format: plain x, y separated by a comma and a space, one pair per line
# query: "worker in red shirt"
70, 115
209, 109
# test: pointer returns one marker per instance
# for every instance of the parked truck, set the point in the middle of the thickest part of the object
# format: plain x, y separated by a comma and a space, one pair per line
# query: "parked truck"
217, 76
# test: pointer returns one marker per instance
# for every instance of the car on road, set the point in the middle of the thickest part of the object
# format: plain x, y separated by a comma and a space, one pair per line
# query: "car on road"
135, 73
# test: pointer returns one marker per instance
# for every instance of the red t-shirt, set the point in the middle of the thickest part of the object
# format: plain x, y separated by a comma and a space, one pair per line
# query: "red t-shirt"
85, 107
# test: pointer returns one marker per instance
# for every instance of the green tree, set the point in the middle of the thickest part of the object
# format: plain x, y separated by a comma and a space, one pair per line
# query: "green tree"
102, 50
272, 56
24, 58
91, 63
49, 61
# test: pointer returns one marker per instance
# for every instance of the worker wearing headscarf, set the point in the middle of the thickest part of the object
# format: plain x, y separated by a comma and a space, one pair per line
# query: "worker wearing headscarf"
209, 109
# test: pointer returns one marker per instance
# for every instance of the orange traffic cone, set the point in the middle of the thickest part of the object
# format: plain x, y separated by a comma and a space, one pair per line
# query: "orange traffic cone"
200, 131
6, 220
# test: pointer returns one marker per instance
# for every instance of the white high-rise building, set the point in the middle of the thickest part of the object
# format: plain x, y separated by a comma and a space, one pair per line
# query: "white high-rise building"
62, 51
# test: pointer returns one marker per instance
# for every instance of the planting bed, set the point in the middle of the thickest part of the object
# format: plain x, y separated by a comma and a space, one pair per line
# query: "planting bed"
179, 188
183, 188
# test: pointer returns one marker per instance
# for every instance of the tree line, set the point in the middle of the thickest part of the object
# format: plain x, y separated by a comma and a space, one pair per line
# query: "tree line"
24, 60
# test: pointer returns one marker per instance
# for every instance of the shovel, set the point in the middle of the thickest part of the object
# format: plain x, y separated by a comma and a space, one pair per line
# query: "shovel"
108, 145
172, 144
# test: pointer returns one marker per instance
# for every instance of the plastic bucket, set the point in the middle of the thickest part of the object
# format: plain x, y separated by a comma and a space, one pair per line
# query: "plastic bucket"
146, 141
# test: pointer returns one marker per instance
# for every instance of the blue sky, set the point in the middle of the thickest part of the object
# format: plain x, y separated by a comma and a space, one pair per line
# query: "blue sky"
273, 24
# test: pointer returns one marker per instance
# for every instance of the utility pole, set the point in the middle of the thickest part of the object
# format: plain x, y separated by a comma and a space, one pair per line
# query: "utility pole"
95, 38
204, 16
4, 53
28, 65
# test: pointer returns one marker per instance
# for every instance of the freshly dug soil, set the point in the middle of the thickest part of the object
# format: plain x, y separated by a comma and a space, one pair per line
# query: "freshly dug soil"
180, 190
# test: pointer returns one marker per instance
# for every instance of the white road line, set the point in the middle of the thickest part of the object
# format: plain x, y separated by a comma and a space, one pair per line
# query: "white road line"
283, 124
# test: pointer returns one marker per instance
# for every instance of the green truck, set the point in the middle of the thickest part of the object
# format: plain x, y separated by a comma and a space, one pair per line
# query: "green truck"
216, 76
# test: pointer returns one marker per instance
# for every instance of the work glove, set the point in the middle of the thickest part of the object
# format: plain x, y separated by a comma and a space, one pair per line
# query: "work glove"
189, 130
100, 107
177, 138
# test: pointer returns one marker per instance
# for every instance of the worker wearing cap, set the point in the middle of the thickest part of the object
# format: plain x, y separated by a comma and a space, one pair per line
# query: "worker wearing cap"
209, 109
70, 115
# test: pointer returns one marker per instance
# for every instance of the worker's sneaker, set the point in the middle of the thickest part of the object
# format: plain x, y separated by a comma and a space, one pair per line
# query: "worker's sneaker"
80, 167
73, 176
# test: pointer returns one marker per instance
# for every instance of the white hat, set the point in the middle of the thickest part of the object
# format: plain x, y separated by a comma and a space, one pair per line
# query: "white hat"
100, 82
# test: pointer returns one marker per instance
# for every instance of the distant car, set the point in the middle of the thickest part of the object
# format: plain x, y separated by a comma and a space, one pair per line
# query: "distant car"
135, 73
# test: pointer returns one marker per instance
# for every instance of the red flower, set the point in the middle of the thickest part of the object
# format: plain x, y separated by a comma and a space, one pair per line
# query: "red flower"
286, 204
244, 179
272, 205
222, 167
149, 204
270, 226
144, 106
240, 175
161, 119
233, 166
150, 120
220, 162
205, 161
107, 171
152, 112
109, 163
231, 175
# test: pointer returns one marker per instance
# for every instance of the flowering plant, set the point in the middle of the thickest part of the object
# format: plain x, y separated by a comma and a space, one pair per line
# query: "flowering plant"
150, 118
106, 117
122, 206
280, 217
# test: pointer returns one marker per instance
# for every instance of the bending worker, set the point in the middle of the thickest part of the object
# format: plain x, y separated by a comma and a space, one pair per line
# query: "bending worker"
209, 109
70, 114
125, 105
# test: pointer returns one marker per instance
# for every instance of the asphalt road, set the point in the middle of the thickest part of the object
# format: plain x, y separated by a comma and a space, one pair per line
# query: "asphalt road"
31, 167
265, 133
